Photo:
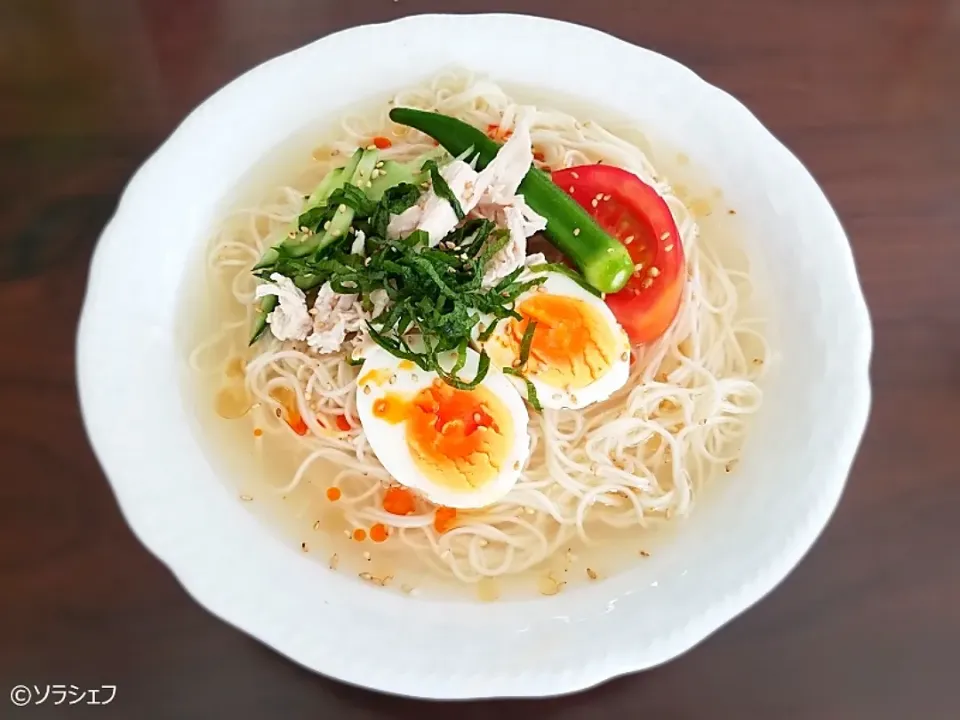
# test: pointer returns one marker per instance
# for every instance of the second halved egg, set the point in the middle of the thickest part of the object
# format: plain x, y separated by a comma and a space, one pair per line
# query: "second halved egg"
579, 354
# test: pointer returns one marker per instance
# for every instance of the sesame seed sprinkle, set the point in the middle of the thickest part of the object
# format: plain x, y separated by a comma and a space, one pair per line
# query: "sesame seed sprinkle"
654, 271
668, 248
665, 236
246, 498
628, 239
576, 231
594, 202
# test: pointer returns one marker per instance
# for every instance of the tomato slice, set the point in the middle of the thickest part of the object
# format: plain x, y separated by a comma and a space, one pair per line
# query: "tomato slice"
633, 212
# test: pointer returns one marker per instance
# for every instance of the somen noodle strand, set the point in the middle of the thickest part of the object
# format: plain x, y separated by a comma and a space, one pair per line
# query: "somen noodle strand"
634, 460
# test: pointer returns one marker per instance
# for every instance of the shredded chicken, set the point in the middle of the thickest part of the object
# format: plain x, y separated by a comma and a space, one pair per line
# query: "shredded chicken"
521, 222
336, 316
290, 319
491, 193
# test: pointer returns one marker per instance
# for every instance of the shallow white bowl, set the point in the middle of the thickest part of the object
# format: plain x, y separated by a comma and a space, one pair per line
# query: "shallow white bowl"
734, 549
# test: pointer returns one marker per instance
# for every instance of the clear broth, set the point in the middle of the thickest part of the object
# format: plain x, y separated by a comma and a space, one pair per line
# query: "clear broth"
257, 469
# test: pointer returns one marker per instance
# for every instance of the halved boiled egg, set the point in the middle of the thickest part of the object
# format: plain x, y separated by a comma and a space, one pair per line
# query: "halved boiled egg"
459, 448
579, 354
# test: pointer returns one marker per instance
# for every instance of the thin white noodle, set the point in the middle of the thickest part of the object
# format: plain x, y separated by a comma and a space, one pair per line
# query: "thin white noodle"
635, 460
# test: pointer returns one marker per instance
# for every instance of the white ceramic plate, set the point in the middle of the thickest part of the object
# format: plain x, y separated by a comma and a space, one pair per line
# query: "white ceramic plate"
734, 549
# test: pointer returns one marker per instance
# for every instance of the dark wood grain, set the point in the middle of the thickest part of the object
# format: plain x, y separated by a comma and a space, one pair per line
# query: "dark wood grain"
867, 93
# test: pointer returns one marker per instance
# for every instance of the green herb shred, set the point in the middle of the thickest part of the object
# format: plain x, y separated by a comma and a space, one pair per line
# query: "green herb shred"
435, 292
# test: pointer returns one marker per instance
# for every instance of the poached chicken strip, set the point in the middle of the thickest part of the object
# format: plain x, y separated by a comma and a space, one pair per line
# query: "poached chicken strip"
490, 193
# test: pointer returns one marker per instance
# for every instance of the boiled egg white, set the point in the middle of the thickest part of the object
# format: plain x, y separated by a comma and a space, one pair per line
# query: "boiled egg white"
458, 448
579, 354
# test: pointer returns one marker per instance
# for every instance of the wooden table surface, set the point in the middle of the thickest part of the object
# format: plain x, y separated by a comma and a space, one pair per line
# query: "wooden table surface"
866, 92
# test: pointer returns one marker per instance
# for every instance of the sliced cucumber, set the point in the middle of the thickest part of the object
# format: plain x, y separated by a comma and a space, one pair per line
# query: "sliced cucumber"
266, 306
342, 218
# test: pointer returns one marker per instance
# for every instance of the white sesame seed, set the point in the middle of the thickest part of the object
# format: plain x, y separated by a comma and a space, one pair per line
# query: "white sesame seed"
366, 555
628, 240
371, 147
646, 283
594, 202
638, 267
654, 271
571, 189
366, 389
598, 196
326, 225
665, 236
246, 498
606, 198
576, 231
668, 248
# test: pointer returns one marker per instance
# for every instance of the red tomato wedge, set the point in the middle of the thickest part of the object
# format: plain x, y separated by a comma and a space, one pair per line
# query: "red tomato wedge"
633, 212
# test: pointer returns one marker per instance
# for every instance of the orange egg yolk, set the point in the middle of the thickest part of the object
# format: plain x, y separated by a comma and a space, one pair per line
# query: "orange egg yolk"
573, 343
458, 439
